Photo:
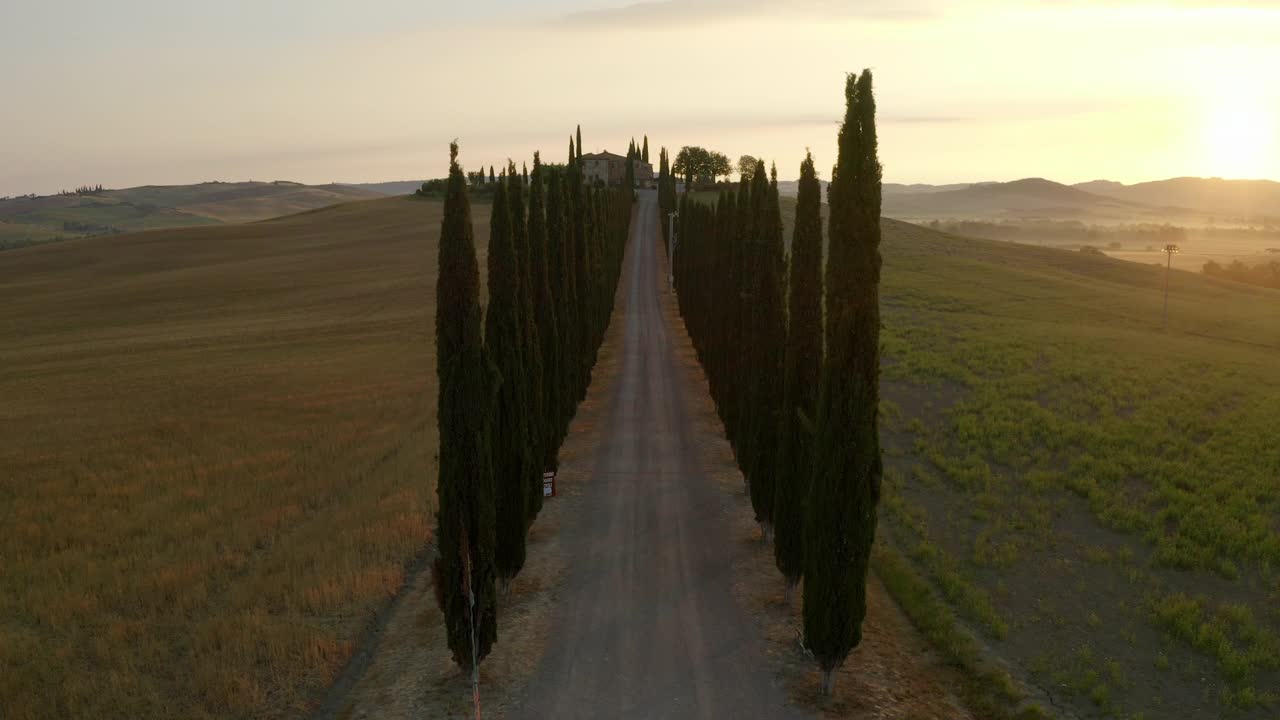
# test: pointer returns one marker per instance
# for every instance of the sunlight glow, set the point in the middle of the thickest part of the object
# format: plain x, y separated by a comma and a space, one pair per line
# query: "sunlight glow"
1239, 129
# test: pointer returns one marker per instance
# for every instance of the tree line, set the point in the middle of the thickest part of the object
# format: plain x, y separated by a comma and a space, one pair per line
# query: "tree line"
510, 383
1265, 274
797, 389
82, 190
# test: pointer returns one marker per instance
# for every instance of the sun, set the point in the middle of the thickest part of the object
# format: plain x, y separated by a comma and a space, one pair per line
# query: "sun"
1238, 133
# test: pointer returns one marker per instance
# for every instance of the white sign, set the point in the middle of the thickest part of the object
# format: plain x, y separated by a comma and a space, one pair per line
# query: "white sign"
549, 483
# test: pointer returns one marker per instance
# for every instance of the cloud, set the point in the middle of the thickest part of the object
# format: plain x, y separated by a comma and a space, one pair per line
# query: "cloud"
662, 13
650, 14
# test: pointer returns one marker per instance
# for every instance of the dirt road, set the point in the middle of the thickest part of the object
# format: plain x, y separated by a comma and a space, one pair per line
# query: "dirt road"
646, 625
647, 592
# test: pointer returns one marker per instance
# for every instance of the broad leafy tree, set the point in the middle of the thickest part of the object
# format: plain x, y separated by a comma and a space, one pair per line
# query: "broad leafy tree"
697, 164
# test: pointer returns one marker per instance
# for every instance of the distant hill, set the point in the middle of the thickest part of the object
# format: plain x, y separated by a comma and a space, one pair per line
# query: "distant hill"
1244, 198
1030, 197
30, 220
921, 188
791, 188
395, 187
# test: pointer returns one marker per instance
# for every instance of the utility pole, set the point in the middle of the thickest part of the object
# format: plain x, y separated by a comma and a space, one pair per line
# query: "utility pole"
671, 248
1168, 250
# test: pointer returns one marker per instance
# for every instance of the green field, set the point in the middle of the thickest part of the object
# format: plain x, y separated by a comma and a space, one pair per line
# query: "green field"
16, 235
217, 457
1079, 499
1095, 498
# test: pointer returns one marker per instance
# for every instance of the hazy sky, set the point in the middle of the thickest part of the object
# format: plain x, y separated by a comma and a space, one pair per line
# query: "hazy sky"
170, 91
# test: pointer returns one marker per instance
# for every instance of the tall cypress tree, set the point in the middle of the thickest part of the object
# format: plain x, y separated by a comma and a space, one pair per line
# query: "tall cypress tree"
840, 520
585, 284
800, 377
599, 228
644, 152
580, 141
766, 349
548, 327
724, 328
572, 157
629, 179
739, 374
504, 345
533, 365
465, 531
564, 290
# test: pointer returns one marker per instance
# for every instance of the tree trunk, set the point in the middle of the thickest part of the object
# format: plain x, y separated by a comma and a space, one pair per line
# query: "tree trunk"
789, 591
766, 532
828, 682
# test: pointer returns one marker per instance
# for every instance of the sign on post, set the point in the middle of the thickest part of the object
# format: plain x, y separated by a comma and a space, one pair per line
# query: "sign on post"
549, 483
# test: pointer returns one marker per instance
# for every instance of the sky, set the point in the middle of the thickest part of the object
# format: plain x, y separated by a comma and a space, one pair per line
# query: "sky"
139, 92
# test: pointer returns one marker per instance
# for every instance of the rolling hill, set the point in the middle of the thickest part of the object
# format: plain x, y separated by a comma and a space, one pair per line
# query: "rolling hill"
923, 188
1184, 201
394, 187
30, 220
1244, 198
1030, 197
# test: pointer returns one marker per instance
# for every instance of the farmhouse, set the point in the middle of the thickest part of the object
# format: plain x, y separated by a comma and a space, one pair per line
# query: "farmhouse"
611, 169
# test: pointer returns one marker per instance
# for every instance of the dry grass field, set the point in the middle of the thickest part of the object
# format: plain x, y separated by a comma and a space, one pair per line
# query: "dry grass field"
217, 458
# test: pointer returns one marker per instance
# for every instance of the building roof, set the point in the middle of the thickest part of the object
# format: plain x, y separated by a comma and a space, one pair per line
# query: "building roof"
606, 154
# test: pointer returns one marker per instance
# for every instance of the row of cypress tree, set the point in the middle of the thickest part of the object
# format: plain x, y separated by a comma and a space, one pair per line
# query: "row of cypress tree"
798, 392
509, 384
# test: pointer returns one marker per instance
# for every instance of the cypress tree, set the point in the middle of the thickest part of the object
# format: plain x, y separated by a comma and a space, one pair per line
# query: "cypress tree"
504, 344
599, 219
492, 179
629, 181
465, 530
840, 518
591, 201
766, 348
572, 158
563, 289
666, 200
738, 384
585, 285
644, 152
800, 377
548, 328
726, 311
533, 364
606, 206
579, 141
